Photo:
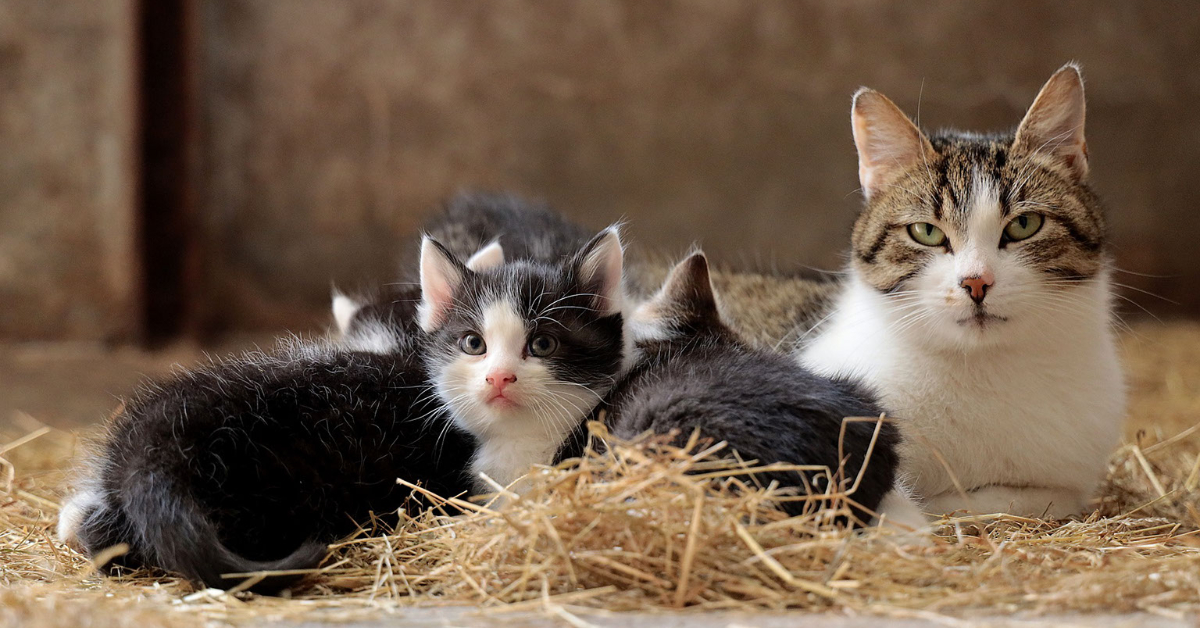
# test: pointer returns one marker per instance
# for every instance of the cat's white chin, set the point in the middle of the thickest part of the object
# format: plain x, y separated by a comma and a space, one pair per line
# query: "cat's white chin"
503, 404
1035, 402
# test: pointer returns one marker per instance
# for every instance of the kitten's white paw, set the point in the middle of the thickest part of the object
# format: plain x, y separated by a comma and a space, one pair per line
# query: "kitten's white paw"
899, 511
1054, 503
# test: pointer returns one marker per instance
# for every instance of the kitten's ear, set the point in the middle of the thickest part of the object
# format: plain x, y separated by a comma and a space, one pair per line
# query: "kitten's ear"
688, 293
441, 276
888, 143
600, 264
488, 257
344, 309
1054, 123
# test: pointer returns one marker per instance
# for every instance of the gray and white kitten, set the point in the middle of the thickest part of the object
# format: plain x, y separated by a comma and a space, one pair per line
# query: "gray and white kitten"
979, 307
696, 372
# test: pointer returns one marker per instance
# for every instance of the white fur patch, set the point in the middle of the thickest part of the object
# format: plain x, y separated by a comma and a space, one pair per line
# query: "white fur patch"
344, 309
1035, 402
77, 508
900, 510
371, 337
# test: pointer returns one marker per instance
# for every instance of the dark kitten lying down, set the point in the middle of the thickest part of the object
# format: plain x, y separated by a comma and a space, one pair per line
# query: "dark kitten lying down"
257, 463
695, 372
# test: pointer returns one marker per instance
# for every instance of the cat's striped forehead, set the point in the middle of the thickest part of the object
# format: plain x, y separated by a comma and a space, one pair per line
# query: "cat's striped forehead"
966, 176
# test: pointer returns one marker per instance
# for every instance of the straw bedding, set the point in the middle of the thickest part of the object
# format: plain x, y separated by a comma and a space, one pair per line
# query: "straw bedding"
646, 526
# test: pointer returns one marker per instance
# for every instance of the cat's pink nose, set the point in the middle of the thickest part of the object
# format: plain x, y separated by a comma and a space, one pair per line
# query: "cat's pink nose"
977, 286
500, 379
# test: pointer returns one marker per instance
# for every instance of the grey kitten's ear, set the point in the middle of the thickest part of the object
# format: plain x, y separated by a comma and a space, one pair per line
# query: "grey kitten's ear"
600, 263
488, 257
1054, 123
441, 277
888, 143
344, 309
688, 292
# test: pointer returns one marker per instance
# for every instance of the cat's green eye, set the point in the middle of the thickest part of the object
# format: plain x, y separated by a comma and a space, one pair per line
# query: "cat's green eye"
472, 344
927, 234
541, 346
1023, 227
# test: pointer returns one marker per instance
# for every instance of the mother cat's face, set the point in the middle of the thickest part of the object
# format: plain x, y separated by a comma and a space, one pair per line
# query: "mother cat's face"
974, 239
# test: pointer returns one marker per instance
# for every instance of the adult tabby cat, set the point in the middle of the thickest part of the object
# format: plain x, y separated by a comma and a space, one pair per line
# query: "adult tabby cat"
979, 307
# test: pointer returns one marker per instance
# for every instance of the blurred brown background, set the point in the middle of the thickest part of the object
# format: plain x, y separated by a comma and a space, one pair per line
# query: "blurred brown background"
193, 167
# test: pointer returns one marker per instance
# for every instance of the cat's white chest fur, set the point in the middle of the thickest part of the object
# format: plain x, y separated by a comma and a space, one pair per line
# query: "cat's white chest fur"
505, 458
1024, 425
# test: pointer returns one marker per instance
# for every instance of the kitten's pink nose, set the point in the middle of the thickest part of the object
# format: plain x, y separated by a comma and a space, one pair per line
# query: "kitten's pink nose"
977, 286
500, 379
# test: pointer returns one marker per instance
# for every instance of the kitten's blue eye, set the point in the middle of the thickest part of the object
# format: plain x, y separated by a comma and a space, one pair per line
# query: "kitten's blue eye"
542, 345
1023, 227
472, 344
927, 234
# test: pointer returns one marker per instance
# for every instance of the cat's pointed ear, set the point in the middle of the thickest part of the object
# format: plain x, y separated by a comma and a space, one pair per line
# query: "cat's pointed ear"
441, 276
888, 143
488, 257
688, 293
600, 263
1054, 123
344, 309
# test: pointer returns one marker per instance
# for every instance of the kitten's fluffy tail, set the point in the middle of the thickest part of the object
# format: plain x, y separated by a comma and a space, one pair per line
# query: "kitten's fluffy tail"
164, 529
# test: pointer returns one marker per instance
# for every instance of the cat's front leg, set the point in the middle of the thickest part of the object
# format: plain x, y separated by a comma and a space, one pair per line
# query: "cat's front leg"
1055, 503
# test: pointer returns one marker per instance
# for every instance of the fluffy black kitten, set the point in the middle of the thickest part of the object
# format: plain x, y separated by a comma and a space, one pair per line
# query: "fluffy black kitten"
257, 463
695, 372
526, 229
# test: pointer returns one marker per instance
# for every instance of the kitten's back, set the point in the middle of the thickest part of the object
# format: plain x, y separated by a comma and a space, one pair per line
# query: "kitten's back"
699, 374
255, 462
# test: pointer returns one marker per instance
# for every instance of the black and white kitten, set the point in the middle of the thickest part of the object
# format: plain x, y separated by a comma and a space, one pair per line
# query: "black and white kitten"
255, 464
521, 352
258, 462
696, 372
